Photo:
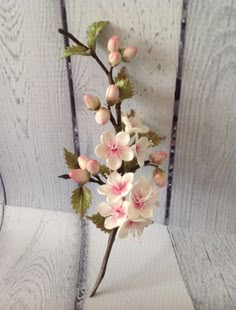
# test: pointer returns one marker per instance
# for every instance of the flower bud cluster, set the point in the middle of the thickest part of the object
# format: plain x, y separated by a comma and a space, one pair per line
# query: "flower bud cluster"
159, 177
116, 54
87, 168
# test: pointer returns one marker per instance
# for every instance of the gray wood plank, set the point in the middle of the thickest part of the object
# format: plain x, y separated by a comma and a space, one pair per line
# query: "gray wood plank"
39, 259
152, 26
204, 195
208, 265
35, 110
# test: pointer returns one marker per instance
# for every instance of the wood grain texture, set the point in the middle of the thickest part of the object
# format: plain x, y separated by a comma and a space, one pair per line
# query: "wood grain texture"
35, 110
39, 259
208, 265
152, 26
134, 280
204, 195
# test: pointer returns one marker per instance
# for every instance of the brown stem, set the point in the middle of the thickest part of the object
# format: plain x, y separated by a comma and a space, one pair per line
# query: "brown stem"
70, 36
98, 60
105, 261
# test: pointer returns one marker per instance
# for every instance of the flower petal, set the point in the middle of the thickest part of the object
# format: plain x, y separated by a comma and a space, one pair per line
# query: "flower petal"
126, 153
102, 151
108, 138
147, 212
123, 231
104, 189
114, 162
110, 222
128, 177
114, 178
104, 209
122, 138
133, 212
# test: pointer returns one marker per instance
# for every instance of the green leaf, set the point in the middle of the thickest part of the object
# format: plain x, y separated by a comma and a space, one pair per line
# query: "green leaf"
128, 165
154, 137
98, 220
125, 87
71, 160
93, 32
81, 200
76, 50
104, 170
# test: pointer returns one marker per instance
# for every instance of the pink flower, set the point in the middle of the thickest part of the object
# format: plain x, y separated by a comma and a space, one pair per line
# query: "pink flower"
113, 44
82, 161
114, 58
114, 148
132, 227
133, 124
92, 102
93, 166
140, 150
80, 176
142, 198
102, 116
158, 157
129, 53
159, 177
112, 94
117, 186
115, 214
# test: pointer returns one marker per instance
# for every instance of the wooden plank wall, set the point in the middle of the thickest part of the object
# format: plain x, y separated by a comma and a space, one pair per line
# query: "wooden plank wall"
35, 110
204, 194
152, 26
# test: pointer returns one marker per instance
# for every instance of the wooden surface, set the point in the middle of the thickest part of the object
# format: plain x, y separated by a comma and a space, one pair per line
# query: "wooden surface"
134, 280
208, 266
204, 195
39, 259
35, 110
152, 26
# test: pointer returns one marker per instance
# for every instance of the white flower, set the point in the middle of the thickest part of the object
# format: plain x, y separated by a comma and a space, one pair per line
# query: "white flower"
117, 186
140, 149
133, 227
133, 124
114, 148
115, 214
142, 198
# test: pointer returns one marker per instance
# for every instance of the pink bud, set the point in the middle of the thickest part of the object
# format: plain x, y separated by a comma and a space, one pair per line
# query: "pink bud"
114, 58
80, 176
129, 53
113, 44
102, 116
159, 177
92, 102
158, 157
93, 166
82, 161
112, 94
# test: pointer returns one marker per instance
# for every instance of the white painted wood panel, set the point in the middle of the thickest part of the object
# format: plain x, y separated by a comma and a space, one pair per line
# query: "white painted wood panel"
39, 259
152, 26
204, 195
208, 265
140, 275
35, 110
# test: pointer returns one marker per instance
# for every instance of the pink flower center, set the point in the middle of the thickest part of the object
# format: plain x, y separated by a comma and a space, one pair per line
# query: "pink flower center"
139, 201
118, 212
114, 149
118, 188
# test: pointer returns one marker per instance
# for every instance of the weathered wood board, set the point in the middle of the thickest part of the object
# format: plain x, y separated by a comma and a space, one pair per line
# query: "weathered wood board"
208, 265
204, 194
35, 110
39, 252
152, 26
135, 280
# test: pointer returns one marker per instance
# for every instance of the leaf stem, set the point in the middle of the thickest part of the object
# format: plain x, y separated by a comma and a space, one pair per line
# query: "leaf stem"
105, 261
146, 163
